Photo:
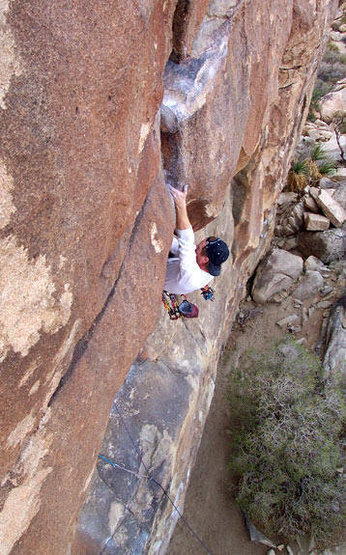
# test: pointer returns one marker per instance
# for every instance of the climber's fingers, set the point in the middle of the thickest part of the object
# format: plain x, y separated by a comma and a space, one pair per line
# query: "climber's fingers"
176, 192
179, 197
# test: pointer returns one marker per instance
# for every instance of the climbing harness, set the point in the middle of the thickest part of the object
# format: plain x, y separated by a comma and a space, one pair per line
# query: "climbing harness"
176, 309
171, 304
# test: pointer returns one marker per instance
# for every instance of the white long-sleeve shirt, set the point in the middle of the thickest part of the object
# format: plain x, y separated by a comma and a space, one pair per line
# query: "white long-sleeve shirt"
183, 274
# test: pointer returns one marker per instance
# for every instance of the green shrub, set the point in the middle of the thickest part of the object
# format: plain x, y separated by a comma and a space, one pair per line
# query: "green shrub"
318, 153
284, 443
327, 167
321, 89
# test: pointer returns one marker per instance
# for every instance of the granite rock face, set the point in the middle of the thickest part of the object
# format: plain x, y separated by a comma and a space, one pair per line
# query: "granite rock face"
86, 224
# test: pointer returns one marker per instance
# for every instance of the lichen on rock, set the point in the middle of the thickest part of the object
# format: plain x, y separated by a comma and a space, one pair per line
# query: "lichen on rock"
28, 306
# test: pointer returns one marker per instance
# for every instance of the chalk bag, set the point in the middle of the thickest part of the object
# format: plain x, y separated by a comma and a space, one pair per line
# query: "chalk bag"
188, 310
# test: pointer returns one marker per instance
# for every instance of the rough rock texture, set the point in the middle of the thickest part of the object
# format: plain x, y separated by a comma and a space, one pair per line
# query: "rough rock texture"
310, 204
86, 223
314, 264
339, 193
290, 217
315, 222
326, 245
276, 273
310, 284
83, 209
329, 206
334, 103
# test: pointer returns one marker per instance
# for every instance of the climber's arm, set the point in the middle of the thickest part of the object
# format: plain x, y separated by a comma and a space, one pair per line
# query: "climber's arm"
179, 197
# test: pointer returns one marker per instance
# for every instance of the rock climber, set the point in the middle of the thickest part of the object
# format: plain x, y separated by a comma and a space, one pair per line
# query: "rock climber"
191, 267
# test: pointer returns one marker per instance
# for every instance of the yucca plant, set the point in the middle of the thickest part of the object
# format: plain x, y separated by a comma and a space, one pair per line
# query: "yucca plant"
298, 175
318, 153
310, 170
327, 167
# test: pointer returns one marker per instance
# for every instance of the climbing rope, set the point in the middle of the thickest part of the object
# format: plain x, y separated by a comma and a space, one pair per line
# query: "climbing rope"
149, 477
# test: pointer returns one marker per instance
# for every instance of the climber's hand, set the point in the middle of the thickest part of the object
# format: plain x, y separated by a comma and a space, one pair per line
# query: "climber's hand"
179, 197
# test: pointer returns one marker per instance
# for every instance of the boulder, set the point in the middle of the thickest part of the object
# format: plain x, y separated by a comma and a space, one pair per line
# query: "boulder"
321, 124
329, 206
325, 245
339, 44
310, 204
288, 197
315, 222
304, 147
339, 193
326, 183
332, 148
313, 263
336, 36
276, 273
310, 284
287, 321
289, 243
340, 174
290, 217
334, 103
317, 133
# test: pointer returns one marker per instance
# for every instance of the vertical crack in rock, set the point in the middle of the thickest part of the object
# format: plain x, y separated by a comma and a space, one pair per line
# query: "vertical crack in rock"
187, 86
225, 95
188, 83
187, 102
239, 193
219, 16
179, 26
82, 344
